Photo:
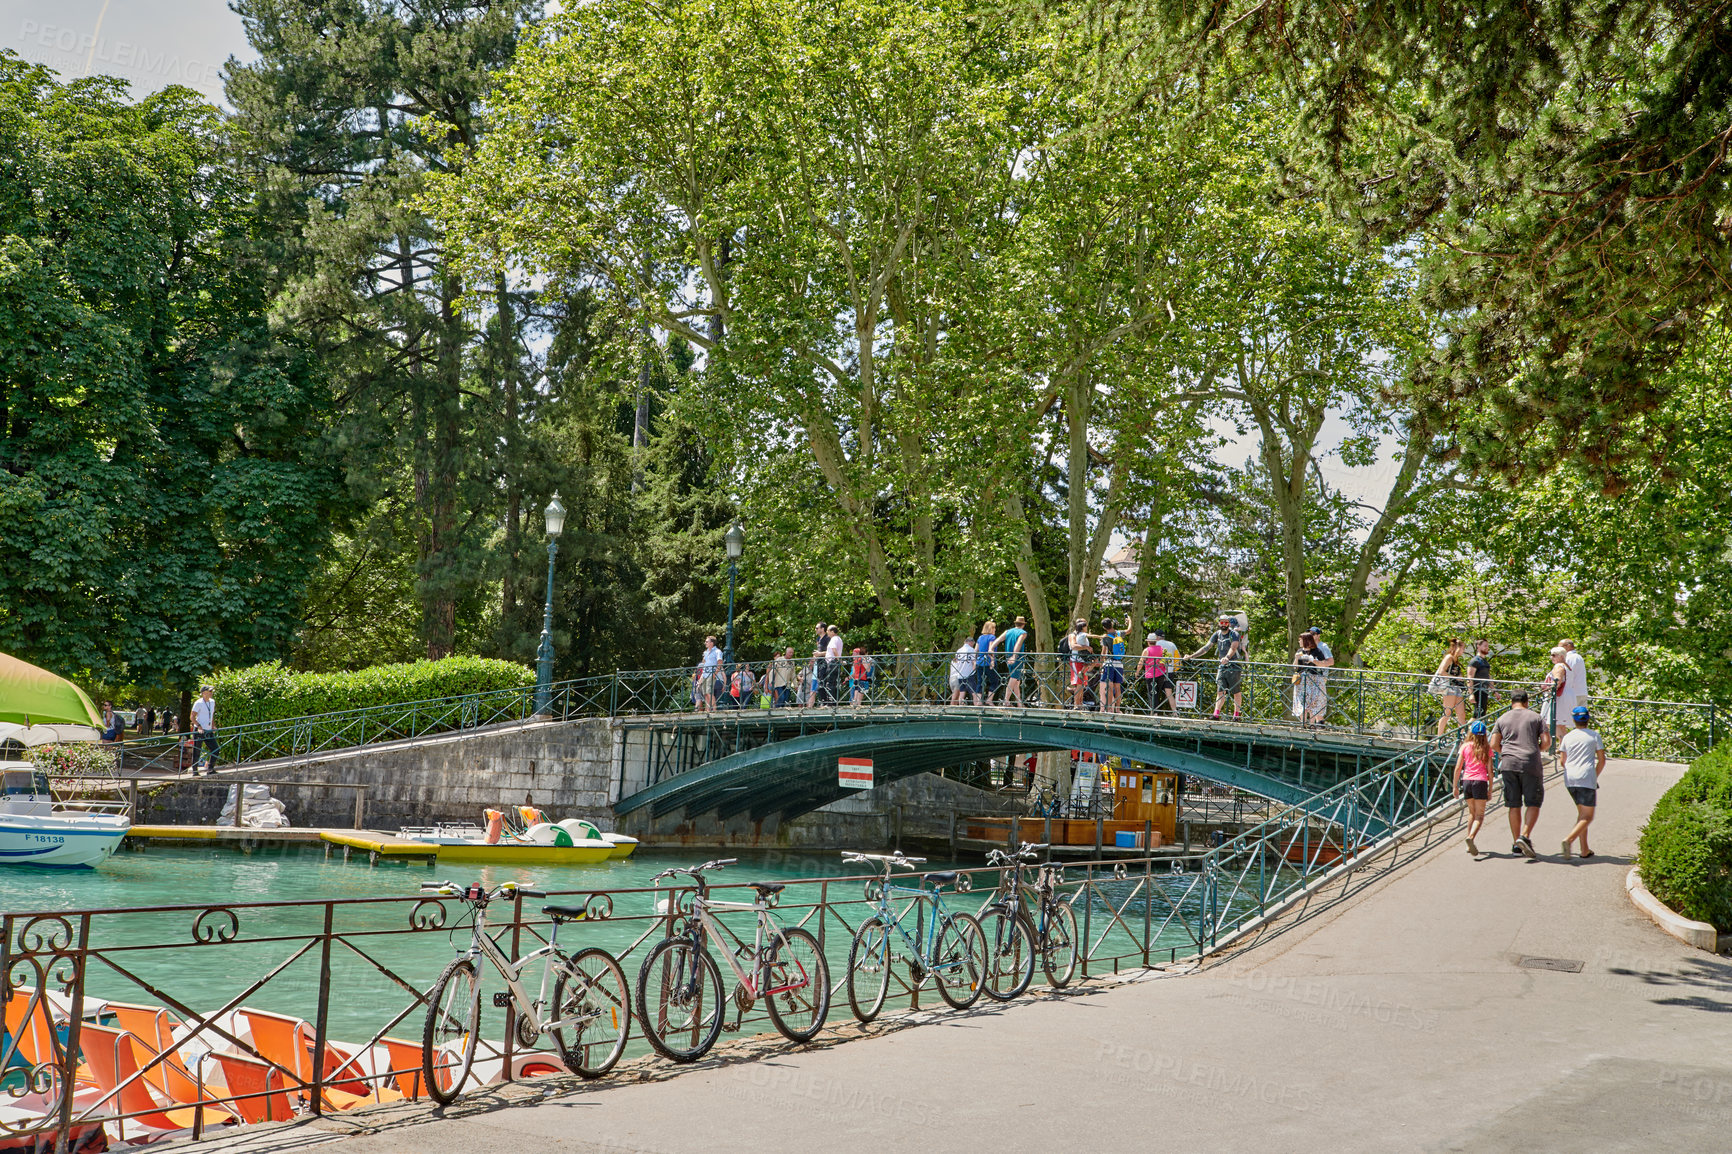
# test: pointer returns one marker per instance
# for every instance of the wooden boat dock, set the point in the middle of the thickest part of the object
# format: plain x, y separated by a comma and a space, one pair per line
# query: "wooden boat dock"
374, 843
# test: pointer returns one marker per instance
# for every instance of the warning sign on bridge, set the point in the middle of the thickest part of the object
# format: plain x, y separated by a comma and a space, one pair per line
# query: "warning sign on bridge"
854, 772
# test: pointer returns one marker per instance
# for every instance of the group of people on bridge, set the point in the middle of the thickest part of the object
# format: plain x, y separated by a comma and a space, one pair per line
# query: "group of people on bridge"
993, 668
990, 668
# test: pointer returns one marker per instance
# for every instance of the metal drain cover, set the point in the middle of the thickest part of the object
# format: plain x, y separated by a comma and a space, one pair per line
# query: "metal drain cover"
1561, 965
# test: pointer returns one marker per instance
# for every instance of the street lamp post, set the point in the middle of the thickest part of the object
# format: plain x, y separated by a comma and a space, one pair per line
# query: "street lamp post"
736, 543
554, 516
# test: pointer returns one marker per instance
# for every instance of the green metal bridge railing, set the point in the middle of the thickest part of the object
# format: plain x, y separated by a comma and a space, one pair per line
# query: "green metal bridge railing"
1360, 701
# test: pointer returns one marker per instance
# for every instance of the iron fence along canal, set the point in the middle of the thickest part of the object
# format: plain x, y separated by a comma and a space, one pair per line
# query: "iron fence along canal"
275, 986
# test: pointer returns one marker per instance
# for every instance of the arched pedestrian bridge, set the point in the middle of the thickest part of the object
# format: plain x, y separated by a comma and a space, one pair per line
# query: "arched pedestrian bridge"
771, 765
674, 762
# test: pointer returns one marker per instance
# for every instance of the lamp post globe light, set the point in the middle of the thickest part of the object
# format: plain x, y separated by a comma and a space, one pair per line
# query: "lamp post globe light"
554, 518
736, 543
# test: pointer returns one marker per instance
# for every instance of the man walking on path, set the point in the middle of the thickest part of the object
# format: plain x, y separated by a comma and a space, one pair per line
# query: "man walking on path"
833, 667
1015, 646
1518, 739
1480, 668
1578, 683
814, 676
1584, 761
1229, 646
962, 671
1112, 667
204, 729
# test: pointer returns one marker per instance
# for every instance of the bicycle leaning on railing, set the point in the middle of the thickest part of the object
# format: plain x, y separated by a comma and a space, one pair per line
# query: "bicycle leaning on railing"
1013, 939
947, 948
679, 989
588, 1012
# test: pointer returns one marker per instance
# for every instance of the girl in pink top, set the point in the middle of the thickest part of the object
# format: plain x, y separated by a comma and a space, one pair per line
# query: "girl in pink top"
1473, 779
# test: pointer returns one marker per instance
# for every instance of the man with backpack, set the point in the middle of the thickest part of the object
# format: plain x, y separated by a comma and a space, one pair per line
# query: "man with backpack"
1229, 646
1112, 667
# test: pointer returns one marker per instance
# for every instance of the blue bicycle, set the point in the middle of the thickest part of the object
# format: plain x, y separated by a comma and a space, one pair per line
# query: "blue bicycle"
1014, 939
947, 948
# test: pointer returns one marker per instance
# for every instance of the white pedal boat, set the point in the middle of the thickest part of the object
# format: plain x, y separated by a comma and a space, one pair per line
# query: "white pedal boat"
34, 830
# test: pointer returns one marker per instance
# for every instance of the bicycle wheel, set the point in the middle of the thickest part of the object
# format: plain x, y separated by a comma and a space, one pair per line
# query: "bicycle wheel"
591, 1011
679, 1000
1058, 948
869, 969
452, 1030
1009, 952
959, 961
797, 988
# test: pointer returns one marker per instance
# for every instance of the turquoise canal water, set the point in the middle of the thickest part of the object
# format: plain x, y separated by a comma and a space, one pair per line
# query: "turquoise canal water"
201, 958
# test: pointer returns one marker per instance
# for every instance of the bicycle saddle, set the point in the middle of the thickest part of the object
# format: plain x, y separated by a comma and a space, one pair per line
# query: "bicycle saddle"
565, 913
941, 878
767, 888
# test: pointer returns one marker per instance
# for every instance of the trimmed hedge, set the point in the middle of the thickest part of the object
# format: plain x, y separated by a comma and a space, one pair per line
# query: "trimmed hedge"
270, 692
1685, 850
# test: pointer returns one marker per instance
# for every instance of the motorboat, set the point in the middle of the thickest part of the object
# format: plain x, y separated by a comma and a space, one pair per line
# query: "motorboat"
521, 836
38, 830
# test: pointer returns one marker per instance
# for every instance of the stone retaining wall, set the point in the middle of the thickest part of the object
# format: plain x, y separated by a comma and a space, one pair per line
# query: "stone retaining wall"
568, 769
563, 767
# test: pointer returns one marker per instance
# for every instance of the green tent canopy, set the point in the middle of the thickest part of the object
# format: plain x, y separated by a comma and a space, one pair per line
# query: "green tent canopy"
32, 696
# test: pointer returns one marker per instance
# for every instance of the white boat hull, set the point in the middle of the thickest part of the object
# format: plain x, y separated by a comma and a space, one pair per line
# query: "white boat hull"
61, 840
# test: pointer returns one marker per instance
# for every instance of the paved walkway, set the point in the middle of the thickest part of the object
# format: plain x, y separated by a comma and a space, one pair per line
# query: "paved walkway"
1399, 1022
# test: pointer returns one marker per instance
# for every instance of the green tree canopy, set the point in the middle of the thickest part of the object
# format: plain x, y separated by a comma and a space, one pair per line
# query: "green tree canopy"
1569, 159
163, 496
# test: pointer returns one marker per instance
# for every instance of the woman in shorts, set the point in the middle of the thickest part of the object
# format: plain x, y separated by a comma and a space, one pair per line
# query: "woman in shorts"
1081, 657
1451, 686
1473, 779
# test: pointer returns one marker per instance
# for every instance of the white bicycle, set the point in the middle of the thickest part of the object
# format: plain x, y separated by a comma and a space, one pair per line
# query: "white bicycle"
587, 1010
679, 989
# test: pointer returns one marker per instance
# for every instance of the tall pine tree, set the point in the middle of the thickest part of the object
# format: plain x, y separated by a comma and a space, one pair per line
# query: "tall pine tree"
332, 114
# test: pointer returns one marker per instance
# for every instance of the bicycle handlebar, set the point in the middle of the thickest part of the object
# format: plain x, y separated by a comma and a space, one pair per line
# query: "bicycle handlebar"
694, 871
886, 860
450, 889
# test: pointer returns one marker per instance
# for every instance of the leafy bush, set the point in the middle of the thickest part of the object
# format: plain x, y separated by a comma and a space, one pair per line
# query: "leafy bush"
270, 692
72, 759
1686, 848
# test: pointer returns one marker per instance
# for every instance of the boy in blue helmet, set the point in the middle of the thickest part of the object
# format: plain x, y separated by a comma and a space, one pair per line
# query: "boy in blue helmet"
1584, 761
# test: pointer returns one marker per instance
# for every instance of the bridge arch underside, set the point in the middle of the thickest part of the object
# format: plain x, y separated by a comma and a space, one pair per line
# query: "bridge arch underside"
782, 779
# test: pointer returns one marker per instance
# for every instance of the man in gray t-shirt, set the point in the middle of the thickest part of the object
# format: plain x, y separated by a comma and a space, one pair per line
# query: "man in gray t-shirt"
1518, 738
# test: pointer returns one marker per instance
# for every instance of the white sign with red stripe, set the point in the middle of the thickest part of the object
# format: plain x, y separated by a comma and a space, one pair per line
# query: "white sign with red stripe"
854, 772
